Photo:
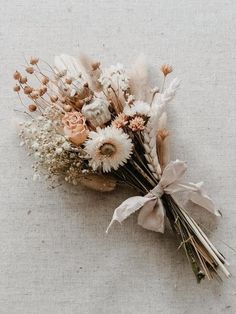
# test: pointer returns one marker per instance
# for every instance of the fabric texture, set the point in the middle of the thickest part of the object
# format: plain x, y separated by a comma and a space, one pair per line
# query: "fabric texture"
55, 254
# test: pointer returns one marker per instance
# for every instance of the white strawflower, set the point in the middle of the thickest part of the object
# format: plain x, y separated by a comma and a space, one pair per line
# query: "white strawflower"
108, 148
137, 108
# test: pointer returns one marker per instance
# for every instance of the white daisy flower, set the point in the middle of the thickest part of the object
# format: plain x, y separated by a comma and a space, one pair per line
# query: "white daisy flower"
108, 148
138, 107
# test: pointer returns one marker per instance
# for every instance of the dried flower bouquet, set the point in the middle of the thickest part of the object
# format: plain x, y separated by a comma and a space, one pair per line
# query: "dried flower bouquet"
101, 127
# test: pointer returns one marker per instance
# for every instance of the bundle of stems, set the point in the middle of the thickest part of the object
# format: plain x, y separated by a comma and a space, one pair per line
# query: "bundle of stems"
204, 258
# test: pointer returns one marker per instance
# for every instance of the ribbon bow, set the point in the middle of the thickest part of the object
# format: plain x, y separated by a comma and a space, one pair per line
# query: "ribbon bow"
152, 211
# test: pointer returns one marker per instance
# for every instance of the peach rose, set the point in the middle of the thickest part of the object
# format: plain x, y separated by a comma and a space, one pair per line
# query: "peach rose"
75, 127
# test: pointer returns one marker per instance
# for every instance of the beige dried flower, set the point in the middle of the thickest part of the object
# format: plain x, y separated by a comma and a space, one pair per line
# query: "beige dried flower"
17, 75
120, 121
34, 60
166, 69
137, 124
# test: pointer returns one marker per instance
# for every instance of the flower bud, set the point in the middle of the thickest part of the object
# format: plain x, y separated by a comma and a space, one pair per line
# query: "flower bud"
23, 80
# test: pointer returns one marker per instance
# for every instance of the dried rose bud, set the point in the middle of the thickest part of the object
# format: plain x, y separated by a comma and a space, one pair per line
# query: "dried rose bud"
32, 108
45, 80
54, 98
28, 90
35, 94
166, 69
68, 80
96, 65
16, 88
23, 80
29, 70
67, 108
34, 60
17, 75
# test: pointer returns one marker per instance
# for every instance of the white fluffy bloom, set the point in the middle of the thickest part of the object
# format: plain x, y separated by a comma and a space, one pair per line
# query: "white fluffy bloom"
138, 107
108, 148
116, 77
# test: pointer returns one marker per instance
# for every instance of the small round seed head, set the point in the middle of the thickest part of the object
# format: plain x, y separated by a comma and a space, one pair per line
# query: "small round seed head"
45, 80
68, 80
34, 60
28, 90
67, 108
16, 88
63, 100
29, 70
42, 90
17, 75
35, 94
166, 69
32, 107
53, 98
23, 80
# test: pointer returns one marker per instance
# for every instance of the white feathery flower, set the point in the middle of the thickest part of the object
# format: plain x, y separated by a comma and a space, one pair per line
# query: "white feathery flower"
116, 77
108, 148
138, 107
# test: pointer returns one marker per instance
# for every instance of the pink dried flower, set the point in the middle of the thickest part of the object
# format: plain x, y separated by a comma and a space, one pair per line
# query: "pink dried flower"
75, 127
120, 121
137, 124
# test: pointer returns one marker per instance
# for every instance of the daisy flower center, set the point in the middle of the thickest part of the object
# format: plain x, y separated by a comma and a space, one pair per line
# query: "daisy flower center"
107, 149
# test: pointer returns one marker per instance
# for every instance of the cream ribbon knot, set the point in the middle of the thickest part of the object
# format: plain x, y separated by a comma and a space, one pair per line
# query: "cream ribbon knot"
152, 212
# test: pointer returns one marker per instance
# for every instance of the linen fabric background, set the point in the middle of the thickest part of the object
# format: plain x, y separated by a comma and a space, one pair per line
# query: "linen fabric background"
54, 254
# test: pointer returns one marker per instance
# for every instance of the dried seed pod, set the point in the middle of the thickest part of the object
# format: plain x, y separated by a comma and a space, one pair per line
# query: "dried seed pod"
29, 70
17, 75
53, 98
28, 90
34, 60
32, 107
68, 80
98, 183
16, 88
45, 80
67, 108
35, 94
23, 80
43, 90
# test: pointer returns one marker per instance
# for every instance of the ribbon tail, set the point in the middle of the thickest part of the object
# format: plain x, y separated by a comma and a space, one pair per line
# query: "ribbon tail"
130, 206
152, 217
200, 198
